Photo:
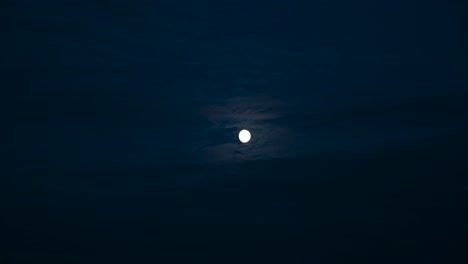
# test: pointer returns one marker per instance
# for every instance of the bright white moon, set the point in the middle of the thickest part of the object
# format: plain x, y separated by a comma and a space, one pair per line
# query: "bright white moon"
244, 136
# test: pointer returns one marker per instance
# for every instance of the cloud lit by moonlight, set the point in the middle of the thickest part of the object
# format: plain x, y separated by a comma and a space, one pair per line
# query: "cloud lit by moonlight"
229, 118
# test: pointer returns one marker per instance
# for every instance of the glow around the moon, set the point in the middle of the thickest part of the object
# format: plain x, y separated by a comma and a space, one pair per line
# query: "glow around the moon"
244, 136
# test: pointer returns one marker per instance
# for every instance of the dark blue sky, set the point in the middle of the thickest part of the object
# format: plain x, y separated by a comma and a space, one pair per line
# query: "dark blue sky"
121, 123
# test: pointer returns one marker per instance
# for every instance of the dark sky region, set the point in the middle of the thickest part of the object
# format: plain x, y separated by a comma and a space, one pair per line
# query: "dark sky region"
120, 123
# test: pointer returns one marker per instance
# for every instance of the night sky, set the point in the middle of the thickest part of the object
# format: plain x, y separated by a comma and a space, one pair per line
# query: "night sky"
120, 124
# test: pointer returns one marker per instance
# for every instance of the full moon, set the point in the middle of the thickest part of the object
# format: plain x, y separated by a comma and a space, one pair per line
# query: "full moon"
244, 136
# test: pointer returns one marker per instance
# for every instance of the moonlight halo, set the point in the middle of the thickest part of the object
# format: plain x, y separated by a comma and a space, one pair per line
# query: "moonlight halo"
244, 136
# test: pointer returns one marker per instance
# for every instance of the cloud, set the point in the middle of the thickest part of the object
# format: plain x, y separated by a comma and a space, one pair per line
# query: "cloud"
258, 115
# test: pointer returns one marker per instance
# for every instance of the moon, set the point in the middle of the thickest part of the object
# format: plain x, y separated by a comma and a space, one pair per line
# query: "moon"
244, 136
